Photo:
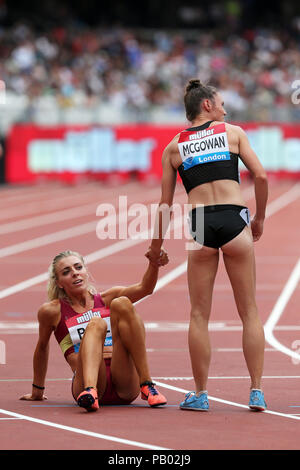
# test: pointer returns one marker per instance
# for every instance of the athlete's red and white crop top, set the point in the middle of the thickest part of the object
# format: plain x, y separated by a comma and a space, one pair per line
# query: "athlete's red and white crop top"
205, 156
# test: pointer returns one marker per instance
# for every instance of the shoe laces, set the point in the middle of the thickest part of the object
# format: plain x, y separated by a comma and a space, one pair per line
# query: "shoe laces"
151, 388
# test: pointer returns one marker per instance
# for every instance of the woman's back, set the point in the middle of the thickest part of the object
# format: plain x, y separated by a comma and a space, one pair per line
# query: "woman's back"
222, 185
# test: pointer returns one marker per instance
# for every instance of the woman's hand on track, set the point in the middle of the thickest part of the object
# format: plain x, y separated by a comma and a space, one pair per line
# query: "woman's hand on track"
33, 397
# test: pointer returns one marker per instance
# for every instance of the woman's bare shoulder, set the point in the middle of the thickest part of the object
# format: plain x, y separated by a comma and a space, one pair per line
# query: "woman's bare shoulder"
172, 146
49, 311
234, 128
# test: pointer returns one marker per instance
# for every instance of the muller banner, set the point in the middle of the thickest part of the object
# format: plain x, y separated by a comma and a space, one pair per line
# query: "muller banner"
64, 152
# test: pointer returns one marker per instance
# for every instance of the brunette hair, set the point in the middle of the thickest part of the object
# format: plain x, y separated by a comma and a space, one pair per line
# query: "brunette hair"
195, 93
53, 290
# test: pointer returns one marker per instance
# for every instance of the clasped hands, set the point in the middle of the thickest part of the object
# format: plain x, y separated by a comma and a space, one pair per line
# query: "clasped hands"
158, 258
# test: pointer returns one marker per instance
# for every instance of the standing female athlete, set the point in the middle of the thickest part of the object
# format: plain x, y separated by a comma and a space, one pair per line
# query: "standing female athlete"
109, 360
206, 157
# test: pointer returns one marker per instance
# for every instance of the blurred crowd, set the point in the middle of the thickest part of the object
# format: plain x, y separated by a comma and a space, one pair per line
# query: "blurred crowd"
142, 69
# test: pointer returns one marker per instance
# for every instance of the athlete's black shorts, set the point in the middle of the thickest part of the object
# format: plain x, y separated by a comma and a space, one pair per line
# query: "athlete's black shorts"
216, 225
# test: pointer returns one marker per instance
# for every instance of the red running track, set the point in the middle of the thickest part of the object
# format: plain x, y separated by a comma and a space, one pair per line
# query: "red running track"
38, 222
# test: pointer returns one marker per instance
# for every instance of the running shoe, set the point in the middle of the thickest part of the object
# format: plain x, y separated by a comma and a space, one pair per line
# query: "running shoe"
88, 399
257, 400
152, 395
194, 402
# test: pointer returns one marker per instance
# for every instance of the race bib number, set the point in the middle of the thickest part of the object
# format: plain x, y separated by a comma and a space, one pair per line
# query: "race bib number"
77, 325
206, 146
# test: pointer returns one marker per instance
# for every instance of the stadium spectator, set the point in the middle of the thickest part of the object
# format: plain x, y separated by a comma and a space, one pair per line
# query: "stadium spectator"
79, 65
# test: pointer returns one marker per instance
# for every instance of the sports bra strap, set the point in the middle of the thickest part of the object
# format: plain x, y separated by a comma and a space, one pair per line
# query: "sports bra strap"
200, 128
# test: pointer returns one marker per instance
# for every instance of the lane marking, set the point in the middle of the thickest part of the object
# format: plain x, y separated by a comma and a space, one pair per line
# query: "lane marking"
278, 310
82, 431
47, 239
227, 402
162, 282
61, 215
154, 327
14, 194
46, 219
273, 207
239, 350
290, 285
90, 258
283, 200
235, 377
170, 276
95, 256
23, 285
30, 380
49, 203
72, 232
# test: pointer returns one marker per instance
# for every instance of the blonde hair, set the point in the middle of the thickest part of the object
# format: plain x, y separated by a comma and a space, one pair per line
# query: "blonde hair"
53, 290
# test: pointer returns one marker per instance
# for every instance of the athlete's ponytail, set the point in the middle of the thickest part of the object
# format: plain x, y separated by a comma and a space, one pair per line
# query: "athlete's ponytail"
195, 93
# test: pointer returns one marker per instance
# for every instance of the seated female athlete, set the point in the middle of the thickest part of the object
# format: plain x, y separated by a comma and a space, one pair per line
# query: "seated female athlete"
101, 336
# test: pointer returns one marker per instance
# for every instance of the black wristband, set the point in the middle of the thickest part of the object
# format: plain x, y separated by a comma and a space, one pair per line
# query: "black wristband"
37, 386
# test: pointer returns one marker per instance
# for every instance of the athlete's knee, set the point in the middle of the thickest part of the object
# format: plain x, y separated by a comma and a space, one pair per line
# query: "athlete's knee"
248, 312
97, 325
121, 305
199, 314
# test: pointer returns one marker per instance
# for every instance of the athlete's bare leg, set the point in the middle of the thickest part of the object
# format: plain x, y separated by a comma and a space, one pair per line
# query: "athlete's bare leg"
240, 265
202, 269
129, 365
90, 369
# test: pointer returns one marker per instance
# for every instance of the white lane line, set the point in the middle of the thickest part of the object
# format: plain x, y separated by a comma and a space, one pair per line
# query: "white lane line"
91, 258
162, 282
30, 380
49, 218
219, 377
45, 192
61, 215
83, 432
235, 377
65, 234
178, 271
74, 231
23, 285
168, 278
227, 402
277, 311
48, 204
41, 193
45, 240
283, 200
290, 286
275, 206
9, 327
95, 256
